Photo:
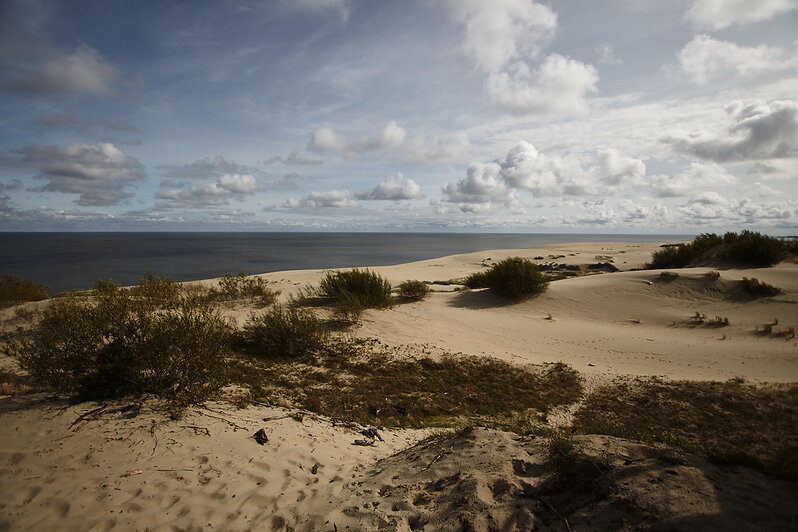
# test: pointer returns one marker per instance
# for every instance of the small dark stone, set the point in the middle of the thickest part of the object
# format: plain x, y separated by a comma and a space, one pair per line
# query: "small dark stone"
261, 437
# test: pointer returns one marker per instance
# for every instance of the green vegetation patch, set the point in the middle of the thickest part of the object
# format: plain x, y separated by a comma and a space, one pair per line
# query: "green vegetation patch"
513, 277
356, 381
127, 342
15, 290
284, 332
727, 422
413, 290
748, 248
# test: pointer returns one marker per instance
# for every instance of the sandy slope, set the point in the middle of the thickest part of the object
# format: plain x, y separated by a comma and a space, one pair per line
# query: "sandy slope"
205, 471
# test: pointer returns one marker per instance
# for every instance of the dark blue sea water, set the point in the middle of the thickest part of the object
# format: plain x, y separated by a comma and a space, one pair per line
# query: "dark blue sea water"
67, 261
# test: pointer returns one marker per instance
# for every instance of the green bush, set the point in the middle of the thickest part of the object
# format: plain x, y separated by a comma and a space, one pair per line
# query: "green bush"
284, 332
124, 344
748, 248
362, 287
753, 249
15, 290
512, 277
413, 290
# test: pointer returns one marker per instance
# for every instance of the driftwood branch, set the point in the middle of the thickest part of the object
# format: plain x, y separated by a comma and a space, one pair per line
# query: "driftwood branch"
84, 419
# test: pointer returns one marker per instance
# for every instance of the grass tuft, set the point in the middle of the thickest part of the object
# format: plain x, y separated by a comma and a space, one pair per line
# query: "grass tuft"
413, 290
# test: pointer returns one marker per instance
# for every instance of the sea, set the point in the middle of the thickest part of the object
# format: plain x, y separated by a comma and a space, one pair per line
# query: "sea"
69, 261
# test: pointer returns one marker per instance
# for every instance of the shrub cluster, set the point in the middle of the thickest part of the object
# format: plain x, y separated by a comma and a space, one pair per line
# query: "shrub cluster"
15, 290
284, 332
413, 290
125, 343
355, 290
747, 248
756, 288
512, 277
242, 287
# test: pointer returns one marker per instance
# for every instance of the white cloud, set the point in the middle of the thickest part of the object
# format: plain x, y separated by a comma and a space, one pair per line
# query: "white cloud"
558, 85
210, 194
606, 54
759, 131
207, 167
501, 31
719, 14
697, 177
327, 139
395, 187
435, 149
481, 186
320, 200
705, 59
615, 169
543, 175
99, 173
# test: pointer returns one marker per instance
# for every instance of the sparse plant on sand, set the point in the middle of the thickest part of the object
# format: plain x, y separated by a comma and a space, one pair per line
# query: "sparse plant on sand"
241, 286
754, 287
413, 290
512, 277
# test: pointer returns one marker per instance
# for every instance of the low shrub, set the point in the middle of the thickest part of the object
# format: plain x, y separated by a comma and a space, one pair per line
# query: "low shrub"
105, 286
157, 290
284, 332
125, 344
512, 277
356, 289
753, 249
668, 276
413, 290
748, 248
16, 290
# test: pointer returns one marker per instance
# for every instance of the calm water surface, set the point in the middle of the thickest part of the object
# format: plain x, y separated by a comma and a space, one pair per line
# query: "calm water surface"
67, 261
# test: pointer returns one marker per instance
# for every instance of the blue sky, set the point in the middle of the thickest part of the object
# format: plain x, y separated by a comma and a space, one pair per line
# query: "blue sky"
632, 116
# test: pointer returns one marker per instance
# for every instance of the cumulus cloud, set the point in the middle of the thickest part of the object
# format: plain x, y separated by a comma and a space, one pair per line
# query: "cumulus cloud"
327, 139
336, 199
558, 85
719, 14
99, 173
696, 177
290, 181
615, 169
543, 175
705, 59
501, 31
294, 160
758, 131
502, 37
207, 167
395, 187
210, 194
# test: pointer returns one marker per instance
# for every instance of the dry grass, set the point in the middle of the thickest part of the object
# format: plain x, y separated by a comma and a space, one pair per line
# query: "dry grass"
727, 422
365, 382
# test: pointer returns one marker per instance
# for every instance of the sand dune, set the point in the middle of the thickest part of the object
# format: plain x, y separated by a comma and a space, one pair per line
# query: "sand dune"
116, 470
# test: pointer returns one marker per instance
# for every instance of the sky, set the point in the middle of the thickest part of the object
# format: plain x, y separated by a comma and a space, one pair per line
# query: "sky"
576, 116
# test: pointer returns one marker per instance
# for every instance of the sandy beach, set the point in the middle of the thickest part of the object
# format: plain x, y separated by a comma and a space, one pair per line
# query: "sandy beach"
121, 465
